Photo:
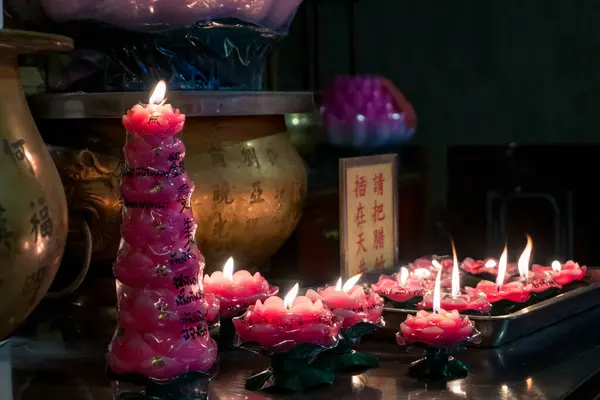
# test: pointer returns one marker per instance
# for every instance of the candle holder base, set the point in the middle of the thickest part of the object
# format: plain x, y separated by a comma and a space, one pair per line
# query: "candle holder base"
410, 304
291, 370
438, 365
343, 357
226, 335
191, 385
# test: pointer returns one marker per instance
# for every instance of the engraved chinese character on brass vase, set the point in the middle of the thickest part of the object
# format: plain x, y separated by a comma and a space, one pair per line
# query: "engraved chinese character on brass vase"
33, 207
250, 181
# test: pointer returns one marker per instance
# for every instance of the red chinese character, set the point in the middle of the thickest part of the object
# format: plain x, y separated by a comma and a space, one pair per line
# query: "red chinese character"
378, 238
378, 214
360, 186
360, 215
360, 243
379, 262
362, 266
378, 181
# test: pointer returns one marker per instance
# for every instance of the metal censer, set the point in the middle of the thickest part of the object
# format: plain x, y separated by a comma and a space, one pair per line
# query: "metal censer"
33, 207
250, 180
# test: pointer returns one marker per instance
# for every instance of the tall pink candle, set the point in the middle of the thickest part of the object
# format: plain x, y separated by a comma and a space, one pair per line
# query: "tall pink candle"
163, 311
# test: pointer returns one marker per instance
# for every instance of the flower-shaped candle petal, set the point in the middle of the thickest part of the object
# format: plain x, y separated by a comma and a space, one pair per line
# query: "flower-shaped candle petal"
563, 274
443, 329
278, 327
516, 291
403, 287
236, 291
356, 305
457, 299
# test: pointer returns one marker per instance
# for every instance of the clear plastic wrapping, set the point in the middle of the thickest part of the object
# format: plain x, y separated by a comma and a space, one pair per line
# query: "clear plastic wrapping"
163, 313
367, 111
128, 45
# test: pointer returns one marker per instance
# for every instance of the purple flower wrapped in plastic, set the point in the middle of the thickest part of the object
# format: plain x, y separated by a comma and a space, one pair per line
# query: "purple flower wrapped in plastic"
367, 111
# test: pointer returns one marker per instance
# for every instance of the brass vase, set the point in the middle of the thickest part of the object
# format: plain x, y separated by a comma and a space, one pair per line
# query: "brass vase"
33, 207
250, 180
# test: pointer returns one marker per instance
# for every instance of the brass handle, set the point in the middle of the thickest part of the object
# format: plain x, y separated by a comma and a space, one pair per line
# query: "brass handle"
74, 285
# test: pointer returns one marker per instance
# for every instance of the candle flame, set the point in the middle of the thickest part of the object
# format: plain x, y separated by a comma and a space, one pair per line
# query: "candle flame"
490, 263
403, 275
228, 269
436, 290
523, 263
158, 94
422, 273
338, 285
350, 283
289, 298
556, 267
502, 267
455, 275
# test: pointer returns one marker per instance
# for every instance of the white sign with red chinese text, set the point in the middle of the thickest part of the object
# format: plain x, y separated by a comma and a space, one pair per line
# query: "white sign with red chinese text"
368, 213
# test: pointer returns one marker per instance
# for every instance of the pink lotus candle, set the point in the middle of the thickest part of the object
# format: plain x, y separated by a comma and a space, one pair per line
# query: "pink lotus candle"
564, 274
402, 287
516, 291
458, 300
236, 291
280, 324
350, 302
439, 329
163, 313
487, 266
425, 269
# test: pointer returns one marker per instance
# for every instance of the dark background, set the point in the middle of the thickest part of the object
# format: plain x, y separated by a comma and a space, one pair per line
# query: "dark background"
507, 94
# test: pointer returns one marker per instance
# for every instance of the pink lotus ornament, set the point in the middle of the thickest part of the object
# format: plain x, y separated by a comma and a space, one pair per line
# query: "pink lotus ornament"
403, 287
236, 291
457, 299
292, 332
135, 267
155, 118
367, 111
280, 324
439, 333
143, 151
516, 291
162, 356
148, 227
163, 314
361, 310
351, 302
563, 274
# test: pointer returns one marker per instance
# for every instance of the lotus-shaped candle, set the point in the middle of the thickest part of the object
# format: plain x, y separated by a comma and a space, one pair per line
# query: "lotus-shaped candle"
164, 120
439, 333
278, 326
162, 356
466, 300
438, 329
563, 274
506, 296
361, 310
163, 314
236, 292
367, 111
292, 331
403, 288
486, 269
